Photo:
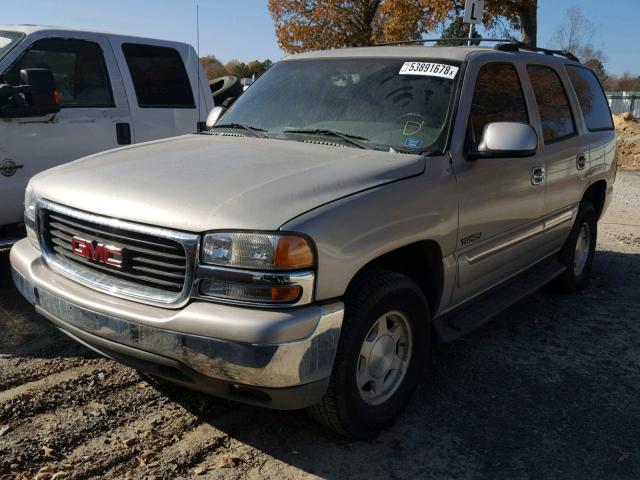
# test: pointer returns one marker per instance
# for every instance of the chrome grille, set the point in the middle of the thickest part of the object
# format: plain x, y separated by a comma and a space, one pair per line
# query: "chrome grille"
156, 263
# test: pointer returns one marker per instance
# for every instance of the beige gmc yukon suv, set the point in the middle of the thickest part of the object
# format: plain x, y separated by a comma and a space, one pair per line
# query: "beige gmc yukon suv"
351, 207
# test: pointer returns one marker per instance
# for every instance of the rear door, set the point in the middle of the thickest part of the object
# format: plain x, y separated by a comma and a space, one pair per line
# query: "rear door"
562, 146
93, 104
163, 101
499, 206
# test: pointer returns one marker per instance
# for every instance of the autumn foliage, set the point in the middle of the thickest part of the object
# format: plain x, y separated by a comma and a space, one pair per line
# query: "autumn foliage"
319, 24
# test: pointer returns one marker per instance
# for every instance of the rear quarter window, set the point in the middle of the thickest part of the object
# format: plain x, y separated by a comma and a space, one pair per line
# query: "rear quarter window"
593, 102
159, 77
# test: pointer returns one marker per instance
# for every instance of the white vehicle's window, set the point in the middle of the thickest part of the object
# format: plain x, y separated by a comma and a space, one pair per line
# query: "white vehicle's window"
553, 104
498, 97
77, 66
378, 102
8, 40
159, 77
591, 97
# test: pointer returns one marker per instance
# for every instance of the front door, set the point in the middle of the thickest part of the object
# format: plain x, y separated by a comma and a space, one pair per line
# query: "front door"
93, 111
500, 201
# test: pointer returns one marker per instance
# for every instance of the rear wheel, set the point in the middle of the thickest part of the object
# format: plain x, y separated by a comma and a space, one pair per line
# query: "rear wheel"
383, 345
578, 252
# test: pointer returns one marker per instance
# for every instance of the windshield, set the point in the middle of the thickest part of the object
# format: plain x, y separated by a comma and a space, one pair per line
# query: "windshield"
8, 40
380, 102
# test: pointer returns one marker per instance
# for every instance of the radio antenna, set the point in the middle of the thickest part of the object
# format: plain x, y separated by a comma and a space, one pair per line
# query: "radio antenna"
200, 92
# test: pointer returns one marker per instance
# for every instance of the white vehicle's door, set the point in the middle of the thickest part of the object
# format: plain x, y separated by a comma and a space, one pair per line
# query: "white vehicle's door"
94, 114
164, 82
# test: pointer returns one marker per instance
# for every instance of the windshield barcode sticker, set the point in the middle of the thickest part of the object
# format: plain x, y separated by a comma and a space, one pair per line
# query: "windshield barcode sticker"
429, 69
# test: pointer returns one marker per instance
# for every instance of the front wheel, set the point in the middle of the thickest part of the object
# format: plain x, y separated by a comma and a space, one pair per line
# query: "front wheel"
383, 345
578, 252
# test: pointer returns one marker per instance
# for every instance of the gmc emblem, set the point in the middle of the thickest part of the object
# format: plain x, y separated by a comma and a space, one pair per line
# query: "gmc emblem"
98, 252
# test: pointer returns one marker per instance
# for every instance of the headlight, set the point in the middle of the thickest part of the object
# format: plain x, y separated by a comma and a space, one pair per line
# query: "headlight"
30, 201
260, 251
257, 268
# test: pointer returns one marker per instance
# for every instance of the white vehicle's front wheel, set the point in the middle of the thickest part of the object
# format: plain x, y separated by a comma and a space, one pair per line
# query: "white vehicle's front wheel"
383, 345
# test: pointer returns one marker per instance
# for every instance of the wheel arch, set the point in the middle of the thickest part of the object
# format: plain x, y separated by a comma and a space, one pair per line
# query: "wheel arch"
596, 194
420, 261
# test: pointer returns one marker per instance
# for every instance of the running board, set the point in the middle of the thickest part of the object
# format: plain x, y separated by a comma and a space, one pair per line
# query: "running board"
479, 311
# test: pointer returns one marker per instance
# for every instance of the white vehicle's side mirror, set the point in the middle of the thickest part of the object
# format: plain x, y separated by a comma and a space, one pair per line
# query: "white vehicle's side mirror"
214, 116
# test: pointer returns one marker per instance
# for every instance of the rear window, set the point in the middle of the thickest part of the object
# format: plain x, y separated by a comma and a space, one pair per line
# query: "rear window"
553, 104
593, 103
159, 77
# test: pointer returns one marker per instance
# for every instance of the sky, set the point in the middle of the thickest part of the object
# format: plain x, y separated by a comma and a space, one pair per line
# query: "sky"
243, 29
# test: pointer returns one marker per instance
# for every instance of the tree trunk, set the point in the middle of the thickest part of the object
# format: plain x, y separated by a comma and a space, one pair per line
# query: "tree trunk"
529, 23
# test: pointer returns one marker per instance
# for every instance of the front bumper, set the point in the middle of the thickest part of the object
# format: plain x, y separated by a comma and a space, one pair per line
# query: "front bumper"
279, 359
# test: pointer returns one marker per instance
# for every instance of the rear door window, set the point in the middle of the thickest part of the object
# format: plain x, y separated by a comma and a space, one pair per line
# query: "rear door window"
498, 97
78, 68
159, 77
553, 105
593, 102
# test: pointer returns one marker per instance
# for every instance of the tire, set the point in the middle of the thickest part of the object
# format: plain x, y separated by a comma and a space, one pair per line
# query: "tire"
578, 267
225, 87
371, 297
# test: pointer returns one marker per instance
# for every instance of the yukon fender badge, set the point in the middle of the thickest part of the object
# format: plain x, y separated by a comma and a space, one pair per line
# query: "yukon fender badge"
8, 167
471, 238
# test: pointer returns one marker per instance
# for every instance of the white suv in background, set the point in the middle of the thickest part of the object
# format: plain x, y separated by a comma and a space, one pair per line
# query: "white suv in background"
103, 90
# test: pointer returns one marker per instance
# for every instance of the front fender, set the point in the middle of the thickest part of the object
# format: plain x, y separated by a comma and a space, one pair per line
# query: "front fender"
351, 232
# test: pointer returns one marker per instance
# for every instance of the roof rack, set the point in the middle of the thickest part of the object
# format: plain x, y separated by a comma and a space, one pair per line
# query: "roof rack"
503, 45
517, 46
444, 40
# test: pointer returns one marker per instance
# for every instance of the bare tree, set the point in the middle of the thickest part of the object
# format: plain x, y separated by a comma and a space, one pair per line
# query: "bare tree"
577, 35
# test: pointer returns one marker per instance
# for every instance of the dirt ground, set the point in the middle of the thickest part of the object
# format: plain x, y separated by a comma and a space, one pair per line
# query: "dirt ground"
628, 140
549, 389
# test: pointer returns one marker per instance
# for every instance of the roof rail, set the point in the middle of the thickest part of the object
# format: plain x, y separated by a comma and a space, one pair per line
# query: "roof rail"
517, 46
444, 40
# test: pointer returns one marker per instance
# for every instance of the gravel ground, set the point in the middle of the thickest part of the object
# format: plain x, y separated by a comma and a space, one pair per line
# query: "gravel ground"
548, 390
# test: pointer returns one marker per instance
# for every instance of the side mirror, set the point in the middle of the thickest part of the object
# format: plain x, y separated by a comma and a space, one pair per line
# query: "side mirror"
36, 96
506, 140
42, 96
214, 116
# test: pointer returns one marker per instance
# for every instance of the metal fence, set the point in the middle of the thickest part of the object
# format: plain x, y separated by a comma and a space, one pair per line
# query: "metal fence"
621, 102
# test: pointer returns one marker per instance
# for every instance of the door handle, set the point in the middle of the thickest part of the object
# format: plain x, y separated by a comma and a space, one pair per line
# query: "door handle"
537, 176
123, 133
581, 161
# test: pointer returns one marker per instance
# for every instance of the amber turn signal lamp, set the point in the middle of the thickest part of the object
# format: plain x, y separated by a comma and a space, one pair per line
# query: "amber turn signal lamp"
293, 252
286, 294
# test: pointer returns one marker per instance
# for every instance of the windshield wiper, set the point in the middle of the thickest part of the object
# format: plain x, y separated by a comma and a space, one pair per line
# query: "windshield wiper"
347, 137
255, 131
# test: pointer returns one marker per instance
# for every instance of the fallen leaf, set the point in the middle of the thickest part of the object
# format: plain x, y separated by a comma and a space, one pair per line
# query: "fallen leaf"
48, 452
129, 443
229, 461
142, 385
624, 457
199, 470
45, 473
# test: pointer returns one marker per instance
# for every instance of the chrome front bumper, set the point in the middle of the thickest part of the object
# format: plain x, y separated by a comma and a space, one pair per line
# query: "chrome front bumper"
247, 365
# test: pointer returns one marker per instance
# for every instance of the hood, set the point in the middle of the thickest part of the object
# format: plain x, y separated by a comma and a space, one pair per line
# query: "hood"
202, 182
